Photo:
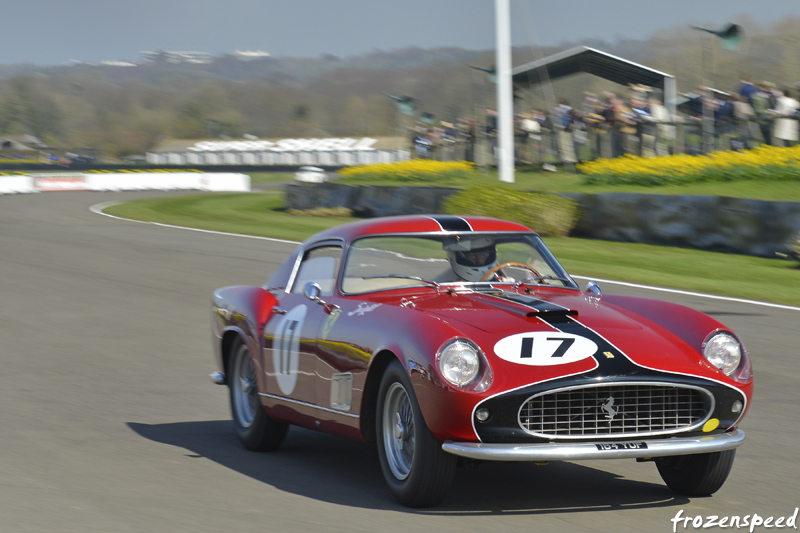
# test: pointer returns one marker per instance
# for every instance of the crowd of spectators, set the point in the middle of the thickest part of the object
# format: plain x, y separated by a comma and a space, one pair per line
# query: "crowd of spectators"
610, 125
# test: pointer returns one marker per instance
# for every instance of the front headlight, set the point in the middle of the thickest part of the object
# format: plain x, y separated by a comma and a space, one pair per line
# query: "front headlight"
723, 351
459, 362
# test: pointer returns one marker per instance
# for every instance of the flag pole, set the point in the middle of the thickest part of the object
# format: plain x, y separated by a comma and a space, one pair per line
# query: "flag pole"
505, 93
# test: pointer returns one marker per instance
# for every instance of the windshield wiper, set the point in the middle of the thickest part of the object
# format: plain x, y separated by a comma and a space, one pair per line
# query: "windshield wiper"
402, 276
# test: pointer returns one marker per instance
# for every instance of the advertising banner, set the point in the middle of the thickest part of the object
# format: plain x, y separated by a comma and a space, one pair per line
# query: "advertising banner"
60, 182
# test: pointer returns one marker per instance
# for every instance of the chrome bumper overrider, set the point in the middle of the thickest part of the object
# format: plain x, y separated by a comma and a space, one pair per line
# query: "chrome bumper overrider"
579, 451
218, 378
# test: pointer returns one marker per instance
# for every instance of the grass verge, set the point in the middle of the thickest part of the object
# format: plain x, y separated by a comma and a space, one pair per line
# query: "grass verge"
772, 280
534, 179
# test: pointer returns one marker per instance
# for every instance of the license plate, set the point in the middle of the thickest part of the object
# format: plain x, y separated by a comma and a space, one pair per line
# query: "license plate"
609, 446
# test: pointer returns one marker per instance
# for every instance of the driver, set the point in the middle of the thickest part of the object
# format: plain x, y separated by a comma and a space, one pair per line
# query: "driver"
471, 257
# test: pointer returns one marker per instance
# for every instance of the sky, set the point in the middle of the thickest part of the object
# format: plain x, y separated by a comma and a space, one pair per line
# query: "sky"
53, 32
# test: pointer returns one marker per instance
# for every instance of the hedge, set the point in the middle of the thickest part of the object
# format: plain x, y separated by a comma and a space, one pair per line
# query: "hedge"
547, 214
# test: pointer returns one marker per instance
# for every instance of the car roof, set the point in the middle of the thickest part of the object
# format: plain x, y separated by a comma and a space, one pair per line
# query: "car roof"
418, 224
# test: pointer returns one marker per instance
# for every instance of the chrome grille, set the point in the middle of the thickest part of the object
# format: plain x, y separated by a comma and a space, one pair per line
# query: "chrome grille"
616, 410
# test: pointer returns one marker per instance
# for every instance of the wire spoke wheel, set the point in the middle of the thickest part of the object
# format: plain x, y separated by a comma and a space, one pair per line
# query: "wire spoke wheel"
416, 469
255, 429
244, 393
398, 431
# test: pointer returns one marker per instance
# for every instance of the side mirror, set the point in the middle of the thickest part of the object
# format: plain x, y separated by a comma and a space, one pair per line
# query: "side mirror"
312, 291
593, 293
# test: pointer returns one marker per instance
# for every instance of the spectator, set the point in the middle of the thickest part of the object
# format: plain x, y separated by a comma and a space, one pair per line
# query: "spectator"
786, 108
532, 129
646, 130
610, 122
468, 132
723, 114
665, 132
742, 115
593, 121
624, 127
764, 105
563, 118
422, 143
747, 89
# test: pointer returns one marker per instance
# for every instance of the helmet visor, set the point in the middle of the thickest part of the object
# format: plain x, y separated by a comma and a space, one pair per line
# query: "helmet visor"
478, 257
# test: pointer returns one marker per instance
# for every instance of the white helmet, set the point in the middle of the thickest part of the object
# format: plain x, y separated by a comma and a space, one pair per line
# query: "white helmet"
471, 257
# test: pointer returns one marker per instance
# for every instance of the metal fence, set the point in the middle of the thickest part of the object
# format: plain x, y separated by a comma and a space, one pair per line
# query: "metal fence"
580, 143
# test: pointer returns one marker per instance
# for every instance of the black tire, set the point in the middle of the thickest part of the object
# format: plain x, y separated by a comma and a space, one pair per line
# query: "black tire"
256, 430
696, 475
419, 473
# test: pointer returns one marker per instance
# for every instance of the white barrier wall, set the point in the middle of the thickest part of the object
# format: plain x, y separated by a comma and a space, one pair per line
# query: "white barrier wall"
16, 184
125, 181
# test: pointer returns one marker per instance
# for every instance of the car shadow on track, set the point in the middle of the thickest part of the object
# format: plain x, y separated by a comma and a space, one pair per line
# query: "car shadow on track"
346, 472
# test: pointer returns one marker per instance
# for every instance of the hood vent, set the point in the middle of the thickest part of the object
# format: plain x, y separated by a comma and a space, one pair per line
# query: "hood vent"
527, 306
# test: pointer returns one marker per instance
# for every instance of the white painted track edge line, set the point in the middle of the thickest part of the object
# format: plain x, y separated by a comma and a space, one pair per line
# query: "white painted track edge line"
98, 208
690, 293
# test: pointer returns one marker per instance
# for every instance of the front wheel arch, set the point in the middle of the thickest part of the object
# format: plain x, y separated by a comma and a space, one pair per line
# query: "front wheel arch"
415, 467
369, 400
229, 339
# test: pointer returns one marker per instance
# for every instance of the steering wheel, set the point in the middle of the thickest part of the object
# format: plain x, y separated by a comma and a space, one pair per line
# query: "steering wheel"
494, 270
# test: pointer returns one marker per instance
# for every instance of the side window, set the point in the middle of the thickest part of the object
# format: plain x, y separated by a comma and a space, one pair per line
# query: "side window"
319, 265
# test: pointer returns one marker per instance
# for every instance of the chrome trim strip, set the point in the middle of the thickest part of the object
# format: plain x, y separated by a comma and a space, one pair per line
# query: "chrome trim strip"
580, 451
465, 285
306, 404
305, 247
218, 378
617, 436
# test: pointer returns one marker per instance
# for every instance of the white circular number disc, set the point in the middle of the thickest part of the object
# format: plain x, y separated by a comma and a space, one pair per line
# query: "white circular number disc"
544, 348
286, 348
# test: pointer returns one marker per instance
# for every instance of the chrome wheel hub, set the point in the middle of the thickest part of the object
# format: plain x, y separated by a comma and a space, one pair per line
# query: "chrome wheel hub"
245, 395
398, 431
399, 428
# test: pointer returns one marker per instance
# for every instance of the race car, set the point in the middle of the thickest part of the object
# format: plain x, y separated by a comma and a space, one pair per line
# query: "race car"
452, 340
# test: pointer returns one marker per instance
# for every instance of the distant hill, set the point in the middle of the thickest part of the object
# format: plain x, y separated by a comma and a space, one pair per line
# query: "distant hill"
119, 110
229, 67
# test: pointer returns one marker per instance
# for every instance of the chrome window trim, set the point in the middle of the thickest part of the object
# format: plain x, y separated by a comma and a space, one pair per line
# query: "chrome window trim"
303, 250
349, 246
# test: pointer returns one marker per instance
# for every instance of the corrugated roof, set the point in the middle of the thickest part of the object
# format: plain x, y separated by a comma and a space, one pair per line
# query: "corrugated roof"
591, 61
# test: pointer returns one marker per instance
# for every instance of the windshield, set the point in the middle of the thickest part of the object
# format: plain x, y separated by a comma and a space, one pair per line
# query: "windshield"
394, 261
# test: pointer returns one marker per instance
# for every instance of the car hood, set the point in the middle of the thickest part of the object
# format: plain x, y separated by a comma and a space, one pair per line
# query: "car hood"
505, 312
622, 343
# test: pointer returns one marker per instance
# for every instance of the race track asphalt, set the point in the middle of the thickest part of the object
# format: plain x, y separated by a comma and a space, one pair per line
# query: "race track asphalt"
109, 422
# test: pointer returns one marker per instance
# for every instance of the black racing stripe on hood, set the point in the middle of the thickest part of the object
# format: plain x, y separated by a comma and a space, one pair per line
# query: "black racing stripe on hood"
610, 360
539, 307
452, 223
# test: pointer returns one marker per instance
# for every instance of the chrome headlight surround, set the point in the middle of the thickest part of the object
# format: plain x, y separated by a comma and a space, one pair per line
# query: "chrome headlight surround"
462, 365
724, 352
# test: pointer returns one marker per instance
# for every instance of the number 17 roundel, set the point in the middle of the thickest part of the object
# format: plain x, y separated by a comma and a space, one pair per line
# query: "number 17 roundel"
544, 348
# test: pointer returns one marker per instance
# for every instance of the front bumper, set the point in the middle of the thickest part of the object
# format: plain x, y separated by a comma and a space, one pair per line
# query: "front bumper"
579, 451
